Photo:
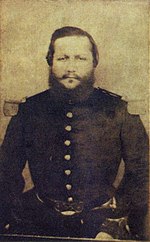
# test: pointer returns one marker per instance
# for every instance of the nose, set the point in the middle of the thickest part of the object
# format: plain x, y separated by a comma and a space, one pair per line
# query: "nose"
71, 66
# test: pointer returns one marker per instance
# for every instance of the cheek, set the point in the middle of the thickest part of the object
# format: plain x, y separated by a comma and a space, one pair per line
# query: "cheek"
86, 70
57, 69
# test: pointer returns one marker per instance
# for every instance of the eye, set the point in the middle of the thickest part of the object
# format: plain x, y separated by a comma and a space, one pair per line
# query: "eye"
81, 58
61, 58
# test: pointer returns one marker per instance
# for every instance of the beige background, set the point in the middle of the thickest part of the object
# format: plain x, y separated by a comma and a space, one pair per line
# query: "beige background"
120, 29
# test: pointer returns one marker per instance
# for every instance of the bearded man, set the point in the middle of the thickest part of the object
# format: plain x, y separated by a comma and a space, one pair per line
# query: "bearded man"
74, 137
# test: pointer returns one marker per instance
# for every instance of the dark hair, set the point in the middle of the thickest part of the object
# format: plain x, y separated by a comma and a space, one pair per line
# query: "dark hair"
71, 31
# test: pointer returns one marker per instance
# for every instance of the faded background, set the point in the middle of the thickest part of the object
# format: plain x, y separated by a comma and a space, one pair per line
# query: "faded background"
120, 29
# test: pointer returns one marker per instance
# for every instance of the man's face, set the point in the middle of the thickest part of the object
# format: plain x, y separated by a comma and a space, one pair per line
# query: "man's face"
72, 61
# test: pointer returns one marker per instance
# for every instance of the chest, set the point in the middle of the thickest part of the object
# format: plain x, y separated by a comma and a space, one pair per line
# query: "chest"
82, 124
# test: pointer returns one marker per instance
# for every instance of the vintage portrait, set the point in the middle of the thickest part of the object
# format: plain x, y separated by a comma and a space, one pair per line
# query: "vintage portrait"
74, 120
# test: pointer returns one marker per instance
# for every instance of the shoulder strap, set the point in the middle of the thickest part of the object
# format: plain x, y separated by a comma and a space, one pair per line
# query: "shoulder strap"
109, 93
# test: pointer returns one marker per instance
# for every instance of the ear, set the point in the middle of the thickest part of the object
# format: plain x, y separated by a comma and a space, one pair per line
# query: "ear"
49, 59
96, 61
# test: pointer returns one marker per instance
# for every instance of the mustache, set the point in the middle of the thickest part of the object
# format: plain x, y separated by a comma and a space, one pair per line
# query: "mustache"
71, 76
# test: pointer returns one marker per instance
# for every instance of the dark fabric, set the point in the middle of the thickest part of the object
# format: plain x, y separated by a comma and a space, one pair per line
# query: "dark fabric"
102, 133
36, 218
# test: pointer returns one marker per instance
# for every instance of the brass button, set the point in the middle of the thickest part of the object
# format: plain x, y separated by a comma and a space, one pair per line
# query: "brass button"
68, 186
67, 142
69, 114
67, 172
67, 157
70, 199
68, 128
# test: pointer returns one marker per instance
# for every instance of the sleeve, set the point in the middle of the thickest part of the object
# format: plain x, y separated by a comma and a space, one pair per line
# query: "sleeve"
131, 206
132, 194
12, 162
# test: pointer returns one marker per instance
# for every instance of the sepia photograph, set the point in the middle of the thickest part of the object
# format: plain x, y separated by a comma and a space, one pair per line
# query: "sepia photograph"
74, 120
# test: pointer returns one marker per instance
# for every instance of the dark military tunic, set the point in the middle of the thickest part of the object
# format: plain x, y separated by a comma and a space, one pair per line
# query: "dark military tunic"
74, 148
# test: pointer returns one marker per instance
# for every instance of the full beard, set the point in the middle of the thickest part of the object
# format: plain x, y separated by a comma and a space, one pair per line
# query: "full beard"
85, 85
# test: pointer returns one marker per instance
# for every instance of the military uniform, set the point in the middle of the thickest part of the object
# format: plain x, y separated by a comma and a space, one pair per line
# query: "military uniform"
74, 147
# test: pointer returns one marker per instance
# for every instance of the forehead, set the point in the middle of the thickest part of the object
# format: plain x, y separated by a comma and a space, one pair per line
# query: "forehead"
72, 44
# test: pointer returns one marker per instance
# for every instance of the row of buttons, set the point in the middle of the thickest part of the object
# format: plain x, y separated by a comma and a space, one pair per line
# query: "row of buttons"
67, 156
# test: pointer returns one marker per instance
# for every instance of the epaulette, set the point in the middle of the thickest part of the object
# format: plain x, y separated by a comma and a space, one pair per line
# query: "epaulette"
11, 107
109, 93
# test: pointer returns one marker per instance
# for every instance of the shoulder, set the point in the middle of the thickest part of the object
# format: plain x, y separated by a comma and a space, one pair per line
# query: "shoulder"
35, 103
108, 93
39, 97
109, 103
109, 98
